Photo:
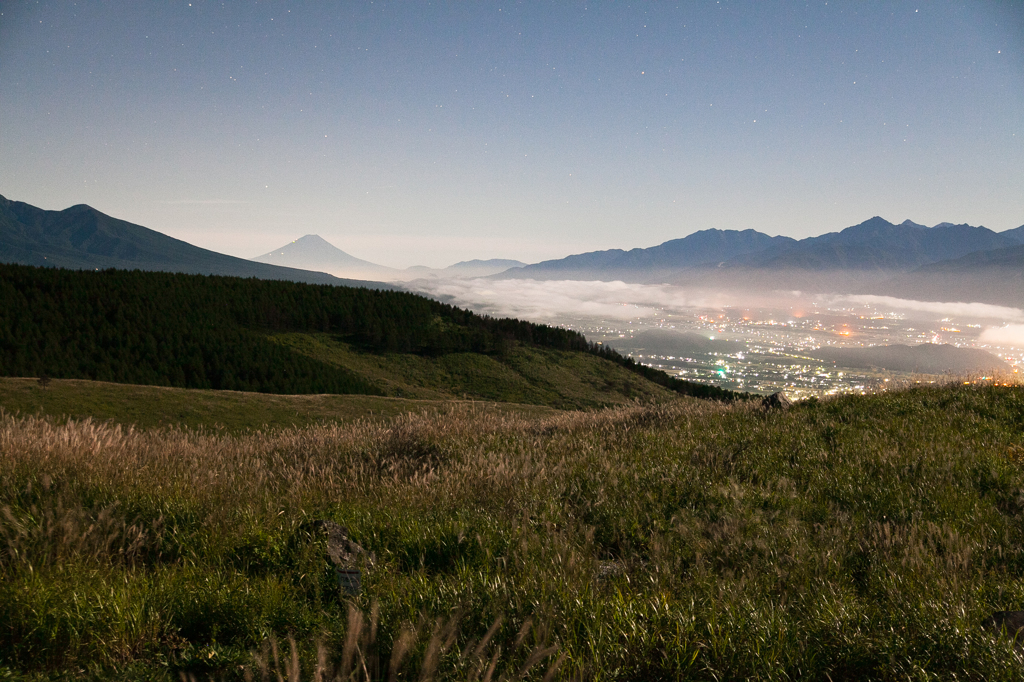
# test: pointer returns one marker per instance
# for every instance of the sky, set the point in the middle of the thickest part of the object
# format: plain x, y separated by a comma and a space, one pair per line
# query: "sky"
429, 133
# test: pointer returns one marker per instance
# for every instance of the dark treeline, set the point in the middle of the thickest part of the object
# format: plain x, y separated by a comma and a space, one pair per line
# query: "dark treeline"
200, 331
146, 328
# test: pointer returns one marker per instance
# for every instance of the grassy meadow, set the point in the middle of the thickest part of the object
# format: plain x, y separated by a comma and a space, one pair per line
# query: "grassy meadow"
148, 407
523, 374
861, 537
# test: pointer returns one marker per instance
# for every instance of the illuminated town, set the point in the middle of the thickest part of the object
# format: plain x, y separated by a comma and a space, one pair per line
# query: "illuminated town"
769, 349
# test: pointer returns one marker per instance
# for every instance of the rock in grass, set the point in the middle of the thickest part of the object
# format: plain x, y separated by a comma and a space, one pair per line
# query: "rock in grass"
1010, 622
609, 569
776, 401
347, 556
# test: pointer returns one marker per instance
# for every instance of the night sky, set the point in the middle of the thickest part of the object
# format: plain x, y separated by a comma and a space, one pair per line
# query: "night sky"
430, 133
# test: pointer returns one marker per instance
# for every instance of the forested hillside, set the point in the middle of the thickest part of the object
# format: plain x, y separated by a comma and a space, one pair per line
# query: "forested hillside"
215, 332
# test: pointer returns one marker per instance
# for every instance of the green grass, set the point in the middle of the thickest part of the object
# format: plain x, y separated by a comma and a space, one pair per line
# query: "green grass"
527, 381
561, 379
156, 406
862, 537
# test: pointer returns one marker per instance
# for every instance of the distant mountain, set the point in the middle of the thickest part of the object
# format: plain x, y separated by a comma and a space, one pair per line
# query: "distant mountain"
312, 252
83, 238
877, 244
927, 358
700, 248
1017, 234
480, 268
971, 264
578, 266
1009, 258
645, 265
995, 276
855, 256
878, 257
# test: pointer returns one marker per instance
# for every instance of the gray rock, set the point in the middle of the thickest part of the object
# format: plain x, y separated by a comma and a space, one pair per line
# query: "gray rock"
347, 556
1010, 622
609, 569
777, 401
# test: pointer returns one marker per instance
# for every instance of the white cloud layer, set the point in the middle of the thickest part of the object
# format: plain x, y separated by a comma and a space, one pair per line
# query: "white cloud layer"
1008, 335
543, 300
977, 311
558, 301
549, 300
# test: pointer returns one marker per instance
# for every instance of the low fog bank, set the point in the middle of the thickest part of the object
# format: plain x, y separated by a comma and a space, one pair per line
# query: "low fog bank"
763, 341
551, 301
556, 302
1008, 335
973, 311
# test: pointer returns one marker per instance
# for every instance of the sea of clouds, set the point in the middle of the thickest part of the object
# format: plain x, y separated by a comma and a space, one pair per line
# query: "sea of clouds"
545, 301
556, 301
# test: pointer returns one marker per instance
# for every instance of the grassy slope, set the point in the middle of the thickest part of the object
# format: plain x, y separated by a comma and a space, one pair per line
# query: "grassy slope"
559, 379
864, 537
156, 406
529, 382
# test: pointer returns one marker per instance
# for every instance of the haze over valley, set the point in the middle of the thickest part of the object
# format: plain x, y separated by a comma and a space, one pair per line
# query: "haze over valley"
748, 311
783, 169
804, 344
818, 316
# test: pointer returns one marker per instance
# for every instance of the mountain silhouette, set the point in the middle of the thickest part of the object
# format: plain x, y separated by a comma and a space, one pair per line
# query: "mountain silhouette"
995, 276
700, 248
874, 245
1017, 234
480, 268
313, 252
82, 238
877, 244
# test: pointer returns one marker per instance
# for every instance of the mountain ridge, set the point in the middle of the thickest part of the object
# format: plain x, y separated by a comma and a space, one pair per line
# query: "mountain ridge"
875, 244
944, 262
947, 262
81, 237
696, 249
314, 252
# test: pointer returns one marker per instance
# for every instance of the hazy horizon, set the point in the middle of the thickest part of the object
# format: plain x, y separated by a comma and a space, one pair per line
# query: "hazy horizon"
624, 247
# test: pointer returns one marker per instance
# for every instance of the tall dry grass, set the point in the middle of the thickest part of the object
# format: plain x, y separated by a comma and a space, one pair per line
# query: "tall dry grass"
859, 537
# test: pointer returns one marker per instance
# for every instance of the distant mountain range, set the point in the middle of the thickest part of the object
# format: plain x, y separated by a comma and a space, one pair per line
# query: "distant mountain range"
945, 262
82, 238
313, 252
995, 276
655, 263
873, 245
